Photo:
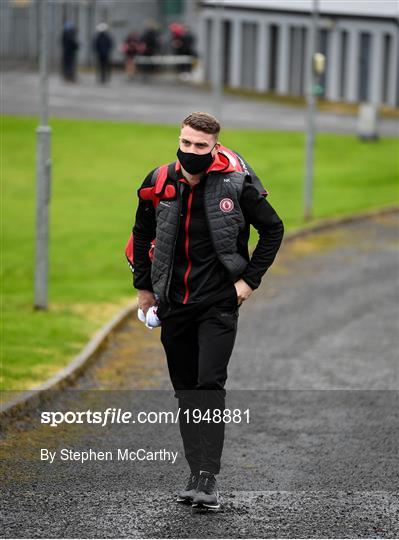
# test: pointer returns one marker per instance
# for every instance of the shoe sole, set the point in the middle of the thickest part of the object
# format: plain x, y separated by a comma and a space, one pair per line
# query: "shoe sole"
203, 507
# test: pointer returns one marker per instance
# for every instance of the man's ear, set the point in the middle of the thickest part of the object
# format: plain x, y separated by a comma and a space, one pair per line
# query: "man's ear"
216, 149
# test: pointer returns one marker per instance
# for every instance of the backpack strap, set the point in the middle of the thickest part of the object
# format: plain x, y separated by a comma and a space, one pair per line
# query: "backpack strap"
161, 177
159, 188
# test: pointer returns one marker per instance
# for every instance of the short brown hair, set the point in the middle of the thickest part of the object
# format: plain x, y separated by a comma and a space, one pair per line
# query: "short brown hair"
202, 121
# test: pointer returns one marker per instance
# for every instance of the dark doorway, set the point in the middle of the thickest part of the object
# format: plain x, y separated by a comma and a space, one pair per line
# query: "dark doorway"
343, 63
273, 56
249, 55
385, 68
297, 60
226, 51
364, 66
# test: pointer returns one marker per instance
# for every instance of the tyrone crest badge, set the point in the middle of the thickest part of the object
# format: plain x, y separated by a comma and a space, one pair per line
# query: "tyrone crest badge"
226, 205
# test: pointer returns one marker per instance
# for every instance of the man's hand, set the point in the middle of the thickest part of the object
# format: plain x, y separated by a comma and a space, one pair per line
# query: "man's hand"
243, 291
146, 299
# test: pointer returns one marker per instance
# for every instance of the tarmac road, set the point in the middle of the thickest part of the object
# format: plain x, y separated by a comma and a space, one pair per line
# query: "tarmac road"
162, 102
315, 363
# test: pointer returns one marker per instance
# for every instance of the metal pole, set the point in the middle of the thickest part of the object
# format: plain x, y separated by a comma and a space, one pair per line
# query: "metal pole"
43, 167
310, 116
217, 60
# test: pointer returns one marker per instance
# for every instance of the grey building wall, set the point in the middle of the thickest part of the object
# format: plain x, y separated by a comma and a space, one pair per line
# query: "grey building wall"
19, 23
267, 50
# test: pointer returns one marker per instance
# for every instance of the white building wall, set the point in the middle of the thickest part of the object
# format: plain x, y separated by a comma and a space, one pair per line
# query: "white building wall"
236, 53
333, 66
393, 79
262, 72
334, 27
352, 71
377, 62
283, 59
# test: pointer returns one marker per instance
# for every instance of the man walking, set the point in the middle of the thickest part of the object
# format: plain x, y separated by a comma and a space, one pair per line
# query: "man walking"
199, 209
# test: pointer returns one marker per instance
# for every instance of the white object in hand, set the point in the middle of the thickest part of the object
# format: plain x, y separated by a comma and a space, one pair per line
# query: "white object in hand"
150, 319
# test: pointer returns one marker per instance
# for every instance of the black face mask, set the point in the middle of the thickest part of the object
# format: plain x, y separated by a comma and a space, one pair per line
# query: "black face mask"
195, 163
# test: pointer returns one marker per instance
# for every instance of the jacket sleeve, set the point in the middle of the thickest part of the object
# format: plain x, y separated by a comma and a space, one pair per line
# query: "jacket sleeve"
259, 213
144, 230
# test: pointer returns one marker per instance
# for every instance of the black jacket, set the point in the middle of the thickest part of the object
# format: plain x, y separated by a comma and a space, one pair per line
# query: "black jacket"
103, 44
197, 272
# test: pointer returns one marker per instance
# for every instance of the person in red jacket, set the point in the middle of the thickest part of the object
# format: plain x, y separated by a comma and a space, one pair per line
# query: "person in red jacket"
199, 276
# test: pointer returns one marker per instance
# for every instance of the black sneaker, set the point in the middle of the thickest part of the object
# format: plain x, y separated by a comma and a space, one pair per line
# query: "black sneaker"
186, 495
207, 494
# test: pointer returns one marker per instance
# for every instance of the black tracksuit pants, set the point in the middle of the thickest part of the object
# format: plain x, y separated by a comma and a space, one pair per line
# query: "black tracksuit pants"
198, 340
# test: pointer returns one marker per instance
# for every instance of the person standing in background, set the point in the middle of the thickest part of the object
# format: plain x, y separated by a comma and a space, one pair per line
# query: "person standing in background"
103, 45
150, 38
70, 46
130, 48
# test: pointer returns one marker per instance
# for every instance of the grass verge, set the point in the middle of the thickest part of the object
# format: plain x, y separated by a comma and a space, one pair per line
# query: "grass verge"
97, 168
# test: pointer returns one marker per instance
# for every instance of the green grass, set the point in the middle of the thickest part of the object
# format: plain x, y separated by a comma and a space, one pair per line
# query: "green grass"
97, 168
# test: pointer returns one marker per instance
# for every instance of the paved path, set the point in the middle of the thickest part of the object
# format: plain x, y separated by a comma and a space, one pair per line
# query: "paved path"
315, 363
166, 103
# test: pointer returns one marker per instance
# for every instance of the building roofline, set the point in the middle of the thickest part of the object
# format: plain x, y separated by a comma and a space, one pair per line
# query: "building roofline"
333, 15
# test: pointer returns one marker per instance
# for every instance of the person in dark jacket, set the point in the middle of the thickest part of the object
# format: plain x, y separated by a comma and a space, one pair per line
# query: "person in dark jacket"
102, 45
70, 46
199, 276
150, 41
150, 38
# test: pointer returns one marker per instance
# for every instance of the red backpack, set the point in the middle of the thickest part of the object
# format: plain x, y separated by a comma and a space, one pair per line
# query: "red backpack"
152, 193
